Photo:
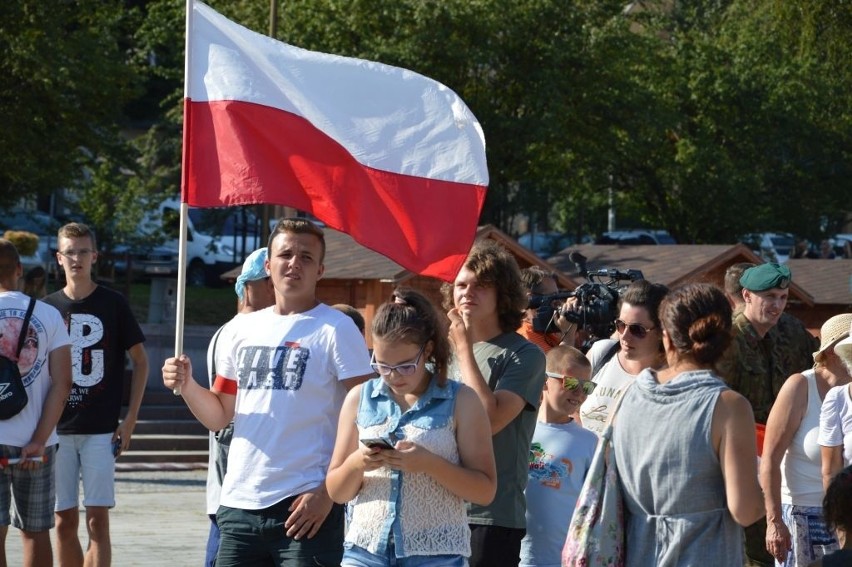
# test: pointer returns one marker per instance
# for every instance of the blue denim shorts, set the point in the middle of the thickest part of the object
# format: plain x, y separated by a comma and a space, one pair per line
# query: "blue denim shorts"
354, 556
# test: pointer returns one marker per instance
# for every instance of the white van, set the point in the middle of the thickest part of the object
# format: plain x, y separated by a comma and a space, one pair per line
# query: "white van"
217, 239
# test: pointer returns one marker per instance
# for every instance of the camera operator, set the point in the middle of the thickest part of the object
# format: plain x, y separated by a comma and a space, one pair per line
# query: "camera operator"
545, 325
616, 363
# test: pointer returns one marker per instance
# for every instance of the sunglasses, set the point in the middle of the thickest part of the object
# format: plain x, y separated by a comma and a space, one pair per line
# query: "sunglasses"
570, 383
404, 369
635, 329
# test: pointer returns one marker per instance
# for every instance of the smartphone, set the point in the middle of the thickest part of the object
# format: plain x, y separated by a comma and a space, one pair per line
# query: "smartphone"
378, 442
116, 447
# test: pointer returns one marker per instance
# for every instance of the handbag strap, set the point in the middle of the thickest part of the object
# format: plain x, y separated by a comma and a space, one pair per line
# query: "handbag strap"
23, 336
617, 404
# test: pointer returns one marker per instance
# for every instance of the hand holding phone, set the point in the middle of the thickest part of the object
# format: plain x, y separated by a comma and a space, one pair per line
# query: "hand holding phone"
378, 442
116, 447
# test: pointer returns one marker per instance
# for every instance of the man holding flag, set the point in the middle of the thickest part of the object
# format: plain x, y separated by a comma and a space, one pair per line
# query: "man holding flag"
372, 150
282, 383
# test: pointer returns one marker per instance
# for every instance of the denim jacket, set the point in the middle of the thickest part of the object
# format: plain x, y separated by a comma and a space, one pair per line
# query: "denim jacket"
412, 510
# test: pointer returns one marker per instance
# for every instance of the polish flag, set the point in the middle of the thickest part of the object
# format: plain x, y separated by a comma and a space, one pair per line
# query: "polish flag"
388, 156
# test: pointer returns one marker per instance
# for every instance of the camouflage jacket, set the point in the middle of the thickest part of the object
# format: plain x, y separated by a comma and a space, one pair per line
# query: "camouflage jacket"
757, 367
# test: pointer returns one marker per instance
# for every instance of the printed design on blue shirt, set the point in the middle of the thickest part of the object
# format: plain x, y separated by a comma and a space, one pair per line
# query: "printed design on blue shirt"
272, 368
545, 469
87, 363
34, 354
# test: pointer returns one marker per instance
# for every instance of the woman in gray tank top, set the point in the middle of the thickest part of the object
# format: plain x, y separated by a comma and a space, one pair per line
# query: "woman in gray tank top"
685, 445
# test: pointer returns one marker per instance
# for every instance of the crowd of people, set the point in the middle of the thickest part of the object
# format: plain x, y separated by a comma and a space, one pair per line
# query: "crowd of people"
465, 435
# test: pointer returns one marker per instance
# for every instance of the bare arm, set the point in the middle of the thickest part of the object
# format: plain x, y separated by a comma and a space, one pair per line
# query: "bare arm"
783, 423
59, 367
733, 437
348, 460
213, 409
501, 406
138, 381
832, 462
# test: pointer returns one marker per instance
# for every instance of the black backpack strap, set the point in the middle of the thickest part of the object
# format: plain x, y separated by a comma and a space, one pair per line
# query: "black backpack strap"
23, 336
606, 358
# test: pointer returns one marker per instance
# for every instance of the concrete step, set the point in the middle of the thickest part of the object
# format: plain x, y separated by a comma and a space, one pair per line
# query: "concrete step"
169, 443
162, 457
169, 427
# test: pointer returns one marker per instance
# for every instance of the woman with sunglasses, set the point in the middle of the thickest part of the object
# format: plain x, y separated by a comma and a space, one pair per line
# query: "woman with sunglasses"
560, 456
684, 444
616, 363
412, 447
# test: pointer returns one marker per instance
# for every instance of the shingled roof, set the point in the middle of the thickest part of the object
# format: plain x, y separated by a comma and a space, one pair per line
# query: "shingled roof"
828, 281
669, 264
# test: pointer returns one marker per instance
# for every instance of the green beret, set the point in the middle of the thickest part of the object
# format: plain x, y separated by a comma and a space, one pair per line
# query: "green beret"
766, 276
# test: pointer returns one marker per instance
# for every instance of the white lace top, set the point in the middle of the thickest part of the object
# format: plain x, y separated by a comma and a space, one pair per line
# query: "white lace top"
432, 520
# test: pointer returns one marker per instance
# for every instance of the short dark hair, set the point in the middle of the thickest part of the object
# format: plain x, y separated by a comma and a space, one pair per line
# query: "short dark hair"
837, 504
733, 274
411, 318
495, 266
10, 259
532, 277
643, 293
295, 225
353, 314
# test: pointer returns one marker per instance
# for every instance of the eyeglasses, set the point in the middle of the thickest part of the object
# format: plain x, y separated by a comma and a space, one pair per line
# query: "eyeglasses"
81, 253
404, 369
571, 383
635, 329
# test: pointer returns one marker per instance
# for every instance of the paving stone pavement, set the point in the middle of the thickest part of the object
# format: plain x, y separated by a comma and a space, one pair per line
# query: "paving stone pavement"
158, 519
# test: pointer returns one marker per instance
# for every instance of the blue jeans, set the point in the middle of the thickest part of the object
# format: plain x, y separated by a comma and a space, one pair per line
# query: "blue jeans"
212, 543
257, 538
354, 556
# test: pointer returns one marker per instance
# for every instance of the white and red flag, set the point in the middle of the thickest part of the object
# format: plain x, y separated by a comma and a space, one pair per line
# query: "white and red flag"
391, 157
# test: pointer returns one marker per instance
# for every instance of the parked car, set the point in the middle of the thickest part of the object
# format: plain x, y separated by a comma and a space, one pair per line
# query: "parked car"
842, 244
545, 244
145, 262
217, 239
771, 246
636, 236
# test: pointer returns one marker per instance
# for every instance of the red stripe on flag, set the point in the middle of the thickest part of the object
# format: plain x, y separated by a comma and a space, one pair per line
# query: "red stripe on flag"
239, 153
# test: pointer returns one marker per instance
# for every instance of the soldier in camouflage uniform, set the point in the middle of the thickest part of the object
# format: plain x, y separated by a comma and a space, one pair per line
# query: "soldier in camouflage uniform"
757, 366
763, 354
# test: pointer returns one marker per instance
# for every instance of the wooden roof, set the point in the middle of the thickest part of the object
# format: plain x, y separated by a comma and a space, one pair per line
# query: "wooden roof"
346, 259
669, 264
828, 281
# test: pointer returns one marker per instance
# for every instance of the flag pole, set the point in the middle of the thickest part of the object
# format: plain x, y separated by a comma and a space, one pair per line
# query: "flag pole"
180, 304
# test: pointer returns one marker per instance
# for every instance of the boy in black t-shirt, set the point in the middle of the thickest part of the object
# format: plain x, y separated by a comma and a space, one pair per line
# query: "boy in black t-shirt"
102, 328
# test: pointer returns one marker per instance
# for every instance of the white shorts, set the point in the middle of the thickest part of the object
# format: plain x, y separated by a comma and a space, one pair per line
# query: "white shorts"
89, 457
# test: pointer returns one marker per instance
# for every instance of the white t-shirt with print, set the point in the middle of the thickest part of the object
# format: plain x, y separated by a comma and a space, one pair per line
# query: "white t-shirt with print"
288, 369
611, 380
46, 332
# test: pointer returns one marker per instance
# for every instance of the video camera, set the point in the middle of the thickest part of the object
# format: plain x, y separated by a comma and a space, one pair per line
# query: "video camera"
596, 308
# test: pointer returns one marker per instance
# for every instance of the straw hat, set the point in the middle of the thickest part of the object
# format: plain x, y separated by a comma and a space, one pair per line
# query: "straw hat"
833, 331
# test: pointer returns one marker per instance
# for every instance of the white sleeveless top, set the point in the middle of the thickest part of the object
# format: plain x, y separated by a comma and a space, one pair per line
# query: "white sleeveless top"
801, 475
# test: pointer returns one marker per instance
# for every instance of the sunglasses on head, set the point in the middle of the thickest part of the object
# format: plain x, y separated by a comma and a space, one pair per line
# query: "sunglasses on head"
571, 383
404, 369
635, 329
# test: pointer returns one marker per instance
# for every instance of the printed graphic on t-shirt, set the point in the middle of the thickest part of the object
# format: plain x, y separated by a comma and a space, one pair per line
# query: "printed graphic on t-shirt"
545, 469
272, 368
87, 363
33, 354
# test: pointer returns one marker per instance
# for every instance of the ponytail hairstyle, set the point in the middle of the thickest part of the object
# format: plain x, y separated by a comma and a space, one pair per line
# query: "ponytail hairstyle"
410, 317
697, 320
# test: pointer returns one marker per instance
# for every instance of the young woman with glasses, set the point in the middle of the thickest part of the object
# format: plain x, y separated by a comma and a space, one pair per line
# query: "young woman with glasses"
412, 447
615, 363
